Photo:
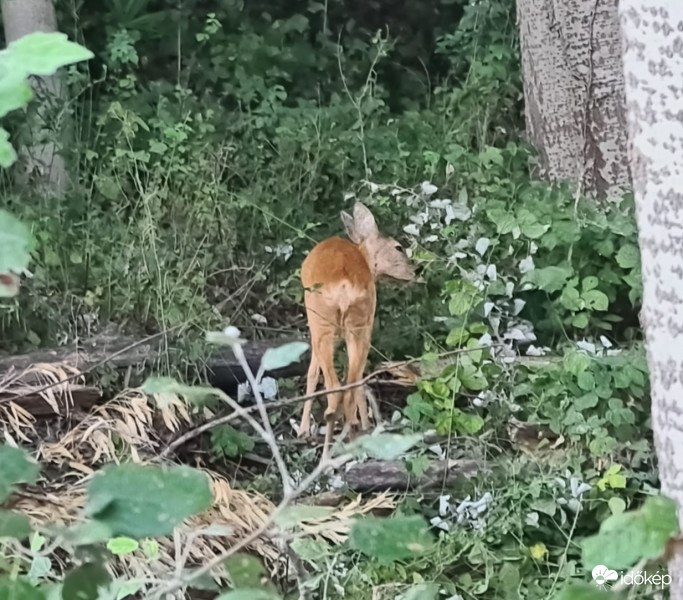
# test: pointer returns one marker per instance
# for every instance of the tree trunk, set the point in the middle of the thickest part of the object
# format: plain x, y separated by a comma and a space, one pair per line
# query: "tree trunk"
653, 65
40, 157
574, 93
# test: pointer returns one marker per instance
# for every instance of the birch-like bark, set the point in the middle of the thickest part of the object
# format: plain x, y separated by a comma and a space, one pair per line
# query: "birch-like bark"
574, 93
652, 32
40, 156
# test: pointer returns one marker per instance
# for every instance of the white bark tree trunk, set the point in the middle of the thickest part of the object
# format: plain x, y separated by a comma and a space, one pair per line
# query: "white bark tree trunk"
574, 93
652, 33
40, 157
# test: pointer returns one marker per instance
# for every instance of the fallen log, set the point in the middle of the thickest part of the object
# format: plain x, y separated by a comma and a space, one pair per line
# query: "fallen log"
221, 368
393, 475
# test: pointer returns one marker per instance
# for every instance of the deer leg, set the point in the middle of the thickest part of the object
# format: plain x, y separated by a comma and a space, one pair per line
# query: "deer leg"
355, 401
324, 349
311, 385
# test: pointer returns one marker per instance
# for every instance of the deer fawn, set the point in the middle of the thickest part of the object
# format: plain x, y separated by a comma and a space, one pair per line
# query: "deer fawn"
340, 298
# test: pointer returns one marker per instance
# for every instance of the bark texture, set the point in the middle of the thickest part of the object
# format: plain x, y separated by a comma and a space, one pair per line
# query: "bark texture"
40, 157
653, 65
574, 93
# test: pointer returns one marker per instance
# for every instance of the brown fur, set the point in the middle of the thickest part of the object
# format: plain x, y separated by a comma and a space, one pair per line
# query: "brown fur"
340, 297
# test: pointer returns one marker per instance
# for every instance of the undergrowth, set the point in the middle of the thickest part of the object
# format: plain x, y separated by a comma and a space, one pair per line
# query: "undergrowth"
215, 147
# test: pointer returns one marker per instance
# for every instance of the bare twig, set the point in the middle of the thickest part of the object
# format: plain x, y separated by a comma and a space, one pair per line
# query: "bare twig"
217, 422
267, 431
334, 463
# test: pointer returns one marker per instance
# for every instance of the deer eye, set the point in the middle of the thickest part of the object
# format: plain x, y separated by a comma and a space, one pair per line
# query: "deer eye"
400, 248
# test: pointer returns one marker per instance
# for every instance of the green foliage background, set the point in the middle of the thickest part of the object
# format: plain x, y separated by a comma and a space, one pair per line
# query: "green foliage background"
217, 140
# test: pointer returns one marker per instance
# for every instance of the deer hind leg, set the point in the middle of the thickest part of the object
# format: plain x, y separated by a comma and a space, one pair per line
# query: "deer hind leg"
355, 402
323, 347
311, 385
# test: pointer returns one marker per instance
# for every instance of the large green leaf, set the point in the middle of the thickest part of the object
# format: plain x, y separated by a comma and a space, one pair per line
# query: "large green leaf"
139, 501
41, 53
16, 244
15, 467
391, 539
14, 525
626, 538
84, 582
18, 589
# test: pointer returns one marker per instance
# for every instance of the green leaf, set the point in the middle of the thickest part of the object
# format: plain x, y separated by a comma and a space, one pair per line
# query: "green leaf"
230, 442
18, 589
628, 256
504, 221
391, 539
310, 549
16, 245
246, 594
586, 381
41, 53
141, 501
84, 582
278, 358
589, 283
291, 516
16, 466
245, 571
384, 446
122, 545
7, 154
14, 93
616, 505
626, 538
586, 591
596, 300
14, 525
154, 386
549, 279
422, 591
473, 379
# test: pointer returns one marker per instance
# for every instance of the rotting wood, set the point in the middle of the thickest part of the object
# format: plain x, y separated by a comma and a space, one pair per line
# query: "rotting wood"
392, 475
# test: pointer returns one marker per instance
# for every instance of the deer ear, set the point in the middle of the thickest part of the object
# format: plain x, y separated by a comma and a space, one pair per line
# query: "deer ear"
364, 223
350, 227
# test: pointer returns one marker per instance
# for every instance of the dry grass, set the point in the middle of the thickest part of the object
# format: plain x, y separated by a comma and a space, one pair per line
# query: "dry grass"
128, 428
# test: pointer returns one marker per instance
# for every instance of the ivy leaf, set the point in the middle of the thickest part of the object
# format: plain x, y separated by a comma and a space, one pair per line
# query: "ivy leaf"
596, 300
549, 279
15, 467
391, 539
142, 501
628, 256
